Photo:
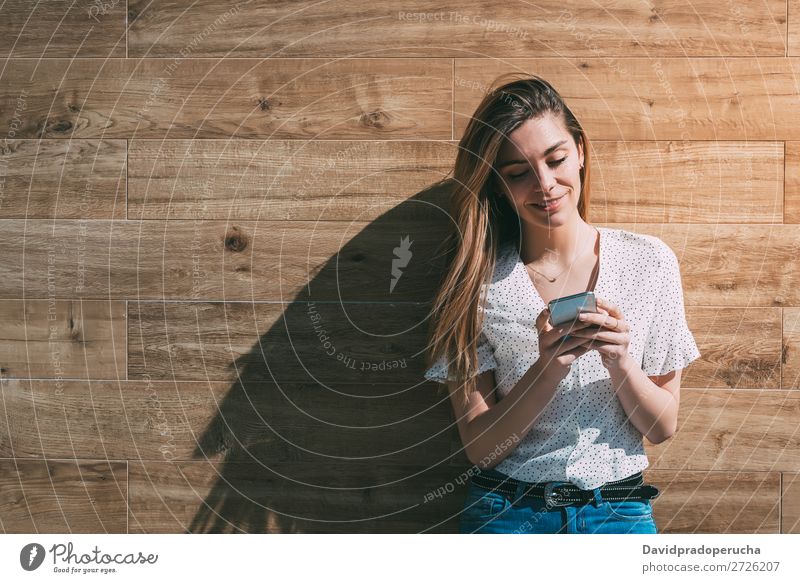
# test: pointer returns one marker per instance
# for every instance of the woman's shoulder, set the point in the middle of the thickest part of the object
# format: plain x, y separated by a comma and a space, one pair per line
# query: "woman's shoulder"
639, 247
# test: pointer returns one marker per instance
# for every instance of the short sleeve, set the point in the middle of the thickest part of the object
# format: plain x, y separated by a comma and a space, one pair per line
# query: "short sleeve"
670, 344
439, 371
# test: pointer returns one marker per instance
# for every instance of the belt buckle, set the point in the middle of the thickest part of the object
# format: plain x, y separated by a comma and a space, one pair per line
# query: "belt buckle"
553, 498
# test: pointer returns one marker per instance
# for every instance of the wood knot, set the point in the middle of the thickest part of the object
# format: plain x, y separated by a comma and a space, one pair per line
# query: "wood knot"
374, 119
235, 240
10, 147
73, 108
358, 257
263, 104
60, 126
725, 286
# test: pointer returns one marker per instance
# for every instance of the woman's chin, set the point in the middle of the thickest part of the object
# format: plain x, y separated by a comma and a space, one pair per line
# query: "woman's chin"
558, 217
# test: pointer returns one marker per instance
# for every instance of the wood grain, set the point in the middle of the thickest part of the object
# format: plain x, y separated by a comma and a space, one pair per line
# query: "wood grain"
672, 182
63, 339
736, 430
302, 341
716, 502
59, 179
285, 179
221, 260
62, 28
791, 212
223, 98
790, 502
185, 421
790, 360
486, 28
687, 182
63, 496
740, 348
326, 497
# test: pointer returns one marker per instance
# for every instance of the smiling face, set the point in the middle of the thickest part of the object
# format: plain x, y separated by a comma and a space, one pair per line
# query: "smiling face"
539, 161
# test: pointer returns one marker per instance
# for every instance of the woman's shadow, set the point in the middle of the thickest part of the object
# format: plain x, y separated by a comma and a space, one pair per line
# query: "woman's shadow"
330, 425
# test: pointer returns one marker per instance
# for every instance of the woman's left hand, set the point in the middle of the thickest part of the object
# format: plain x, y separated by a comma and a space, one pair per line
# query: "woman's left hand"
612, 339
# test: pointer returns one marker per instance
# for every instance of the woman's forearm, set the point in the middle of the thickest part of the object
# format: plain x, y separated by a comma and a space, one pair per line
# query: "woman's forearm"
651, 409
495, 433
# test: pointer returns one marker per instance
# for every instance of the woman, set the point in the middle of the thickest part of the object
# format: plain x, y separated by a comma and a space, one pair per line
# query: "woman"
553, 417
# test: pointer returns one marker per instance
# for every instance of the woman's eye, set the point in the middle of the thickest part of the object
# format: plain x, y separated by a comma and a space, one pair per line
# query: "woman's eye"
553, 163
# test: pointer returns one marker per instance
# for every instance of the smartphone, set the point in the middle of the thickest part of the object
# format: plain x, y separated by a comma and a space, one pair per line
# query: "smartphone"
566, 309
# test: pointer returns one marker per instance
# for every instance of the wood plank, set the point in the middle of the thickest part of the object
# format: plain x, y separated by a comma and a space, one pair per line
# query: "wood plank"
792, 183
790, 502
232, 260
58, 179
286, 179
687, 182
221, 421
300, 342
63, 339
790, 360
223, 98
352, 496
739, 347
793, 29
492, 28
729, 265
735, 430
671, 99
338, 180
62, 28
715, 502
80, 496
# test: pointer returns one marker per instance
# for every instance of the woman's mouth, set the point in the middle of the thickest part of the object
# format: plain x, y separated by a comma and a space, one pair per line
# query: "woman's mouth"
552, 206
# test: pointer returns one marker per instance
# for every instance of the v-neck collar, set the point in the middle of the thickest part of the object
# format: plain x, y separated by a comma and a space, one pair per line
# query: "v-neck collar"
520, 267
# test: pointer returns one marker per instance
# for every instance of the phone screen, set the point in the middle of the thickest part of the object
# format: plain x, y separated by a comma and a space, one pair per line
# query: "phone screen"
566, 309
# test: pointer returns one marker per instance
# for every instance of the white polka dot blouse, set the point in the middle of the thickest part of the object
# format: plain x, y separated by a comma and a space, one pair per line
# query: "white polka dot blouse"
584, 435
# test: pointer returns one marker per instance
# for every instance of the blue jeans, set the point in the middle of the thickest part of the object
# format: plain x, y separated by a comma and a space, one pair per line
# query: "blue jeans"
492, 512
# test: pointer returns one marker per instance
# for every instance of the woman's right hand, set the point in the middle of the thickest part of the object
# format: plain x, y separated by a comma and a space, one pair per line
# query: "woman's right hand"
555, 352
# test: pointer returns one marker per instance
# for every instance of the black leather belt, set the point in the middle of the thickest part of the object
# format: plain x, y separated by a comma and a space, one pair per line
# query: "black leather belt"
565, 494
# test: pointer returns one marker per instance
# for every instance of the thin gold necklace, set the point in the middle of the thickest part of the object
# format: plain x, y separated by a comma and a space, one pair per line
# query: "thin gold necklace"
562, 271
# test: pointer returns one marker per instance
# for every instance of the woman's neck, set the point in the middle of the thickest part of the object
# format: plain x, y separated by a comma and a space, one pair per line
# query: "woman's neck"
555, 246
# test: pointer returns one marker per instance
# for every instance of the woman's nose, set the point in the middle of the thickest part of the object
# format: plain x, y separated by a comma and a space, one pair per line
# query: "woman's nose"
546, 179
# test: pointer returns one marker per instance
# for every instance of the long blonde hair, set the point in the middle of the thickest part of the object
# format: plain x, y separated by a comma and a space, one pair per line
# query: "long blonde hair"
483, 220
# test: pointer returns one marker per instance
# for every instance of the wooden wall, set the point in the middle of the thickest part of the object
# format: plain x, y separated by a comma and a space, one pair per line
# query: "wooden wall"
199, 207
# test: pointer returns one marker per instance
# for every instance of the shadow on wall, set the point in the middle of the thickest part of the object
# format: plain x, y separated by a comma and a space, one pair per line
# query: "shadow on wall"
331, 426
